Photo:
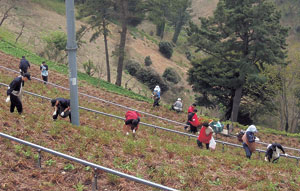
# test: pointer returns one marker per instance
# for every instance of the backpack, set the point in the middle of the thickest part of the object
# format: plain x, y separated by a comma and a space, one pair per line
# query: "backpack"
240, 136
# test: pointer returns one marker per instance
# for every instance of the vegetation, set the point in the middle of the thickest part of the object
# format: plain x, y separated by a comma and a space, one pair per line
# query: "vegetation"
166, 49
89, 68
132, 67
171, 75
148, 61
240, 35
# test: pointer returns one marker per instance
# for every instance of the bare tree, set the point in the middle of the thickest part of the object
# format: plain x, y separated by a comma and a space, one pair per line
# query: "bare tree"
7, 9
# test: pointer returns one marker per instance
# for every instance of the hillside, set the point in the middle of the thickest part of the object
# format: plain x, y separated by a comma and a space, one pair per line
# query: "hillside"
42, 21
161, 157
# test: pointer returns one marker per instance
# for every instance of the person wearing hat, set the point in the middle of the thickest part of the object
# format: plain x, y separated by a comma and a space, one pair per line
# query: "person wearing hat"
14, 92
156, 96
249, 140
24, 65
132, 119
177, 106
273, 152
44, 72
205, 135
61, 107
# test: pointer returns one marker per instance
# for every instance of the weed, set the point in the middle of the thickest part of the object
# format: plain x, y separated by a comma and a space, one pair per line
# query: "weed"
79, 187
27, 154
68, 167
87, 168
216, 182
50, 162
18, 149
113, 179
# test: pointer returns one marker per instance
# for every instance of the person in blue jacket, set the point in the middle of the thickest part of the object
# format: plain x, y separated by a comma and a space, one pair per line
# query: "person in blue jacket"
156, 96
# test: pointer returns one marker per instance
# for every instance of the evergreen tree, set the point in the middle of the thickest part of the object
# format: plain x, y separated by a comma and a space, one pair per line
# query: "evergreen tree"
244, 33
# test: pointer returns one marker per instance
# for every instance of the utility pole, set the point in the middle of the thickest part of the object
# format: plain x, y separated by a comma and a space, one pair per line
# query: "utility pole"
72, 48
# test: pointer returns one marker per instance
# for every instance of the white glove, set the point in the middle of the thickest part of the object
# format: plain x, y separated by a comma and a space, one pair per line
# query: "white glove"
193, 119
54, 113
256, 139
62, 114
133, 131
266, 159
7, 99
20, 70
286, 154
127, 133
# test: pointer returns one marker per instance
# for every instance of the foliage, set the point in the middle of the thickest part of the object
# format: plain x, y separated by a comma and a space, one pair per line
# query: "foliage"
56, 43
68, 167
132, 67
53, 5
151, 78
166, 49
247, 34
148, 61
171, 75
17, 51
89, 68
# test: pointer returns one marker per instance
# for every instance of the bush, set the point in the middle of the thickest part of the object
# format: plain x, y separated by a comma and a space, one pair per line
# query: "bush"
132, 67
151, 78
148, 61
166, 49
56, 43
89, 68
171, 75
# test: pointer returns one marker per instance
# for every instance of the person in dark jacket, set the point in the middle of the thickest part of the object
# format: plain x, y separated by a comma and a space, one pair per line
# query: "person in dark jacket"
249, 140
14, 93
273, 152
24, 65
61, 107
44, 72
193, 121
132, 119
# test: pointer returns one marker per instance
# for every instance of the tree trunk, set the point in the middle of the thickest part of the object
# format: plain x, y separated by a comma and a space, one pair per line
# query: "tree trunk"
162, 30
236, 103
124, 9
177, 32
106, 51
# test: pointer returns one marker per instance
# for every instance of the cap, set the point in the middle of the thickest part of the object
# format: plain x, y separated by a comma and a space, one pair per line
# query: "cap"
179, 99
27, 75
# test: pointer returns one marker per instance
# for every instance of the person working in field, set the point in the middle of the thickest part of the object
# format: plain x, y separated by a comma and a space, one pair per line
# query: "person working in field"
14, 93
24, 65
177, 106
61, 107
273, 152
44, 72
205, 135
132, 119
156, 96
249, 140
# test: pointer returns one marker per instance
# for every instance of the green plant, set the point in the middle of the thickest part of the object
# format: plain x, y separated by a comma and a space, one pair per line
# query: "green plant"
18, 149
89, 68
68, 167
27, 154
171, 75
132, 67
113, 179
166, 49
50, 162
148, 61
79, 187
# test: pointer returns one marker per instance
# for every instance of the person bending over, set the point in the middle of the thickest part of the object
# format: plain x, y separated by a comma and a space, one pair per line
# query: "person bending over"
132, 119
61, 107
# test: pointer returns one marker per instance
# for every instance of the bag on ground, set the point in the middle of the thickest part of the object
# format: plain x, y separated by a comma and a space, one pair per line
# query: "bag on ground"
212, 143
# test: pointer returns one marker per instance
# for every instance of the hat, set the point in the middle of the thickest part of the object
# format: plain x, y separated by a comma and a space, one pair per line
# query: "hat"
252, 128
53, 102
27, 75
179, 99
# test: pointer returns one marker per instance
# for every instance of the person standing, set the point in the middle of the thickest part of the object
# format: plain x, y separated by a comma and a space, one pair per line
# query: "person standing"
14, 92
156, 96
24, 65
249, 140
61, 107
132, 119
44, 72
273, 152
205, 135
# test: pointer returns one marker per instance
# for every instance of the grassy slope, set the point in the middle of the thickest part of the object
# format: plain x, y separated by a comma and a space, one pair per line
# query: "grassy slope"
162, 157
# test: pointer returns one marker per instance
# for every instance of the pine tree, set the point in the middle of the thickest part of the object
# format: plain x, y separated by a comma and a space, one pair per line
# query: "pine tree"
245, 33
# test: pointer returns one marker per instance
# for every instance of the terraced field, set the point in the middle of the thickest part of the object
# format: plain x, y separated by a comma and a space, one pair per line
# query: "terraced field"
162, 157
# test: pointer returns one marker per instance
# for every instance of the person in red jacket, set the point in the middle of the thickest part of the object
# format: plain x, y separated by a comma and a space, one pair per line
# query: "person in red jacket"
190, 110
193, 121
205, 135
132, 121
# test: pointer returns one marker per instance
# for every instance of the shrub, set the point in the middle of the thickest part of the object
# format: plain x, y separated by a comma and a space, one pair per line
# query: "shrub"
56, 43
151, 78
166, 49
89, 68
148, 61
171, 75
132, 67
